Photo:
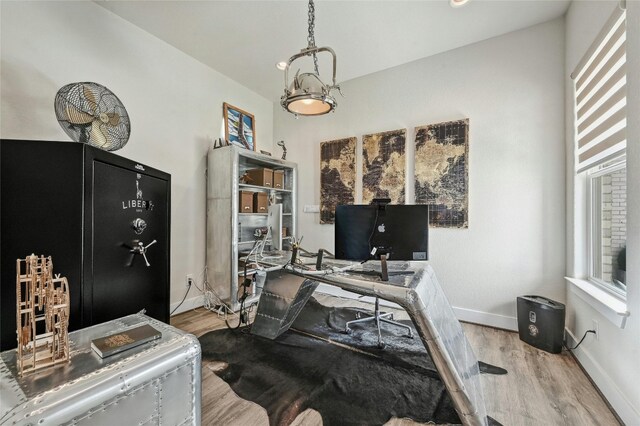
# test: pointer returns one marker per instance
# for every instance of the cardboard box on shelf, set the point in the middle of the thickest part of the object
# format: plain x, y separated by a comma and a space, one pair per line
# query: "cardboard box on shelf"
246, 202
260, 177
278, 179
260, 202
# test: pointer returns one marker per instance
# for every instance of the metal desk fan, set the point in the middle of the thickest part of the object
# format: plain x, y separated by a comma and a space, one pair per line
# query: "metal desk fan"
90, 113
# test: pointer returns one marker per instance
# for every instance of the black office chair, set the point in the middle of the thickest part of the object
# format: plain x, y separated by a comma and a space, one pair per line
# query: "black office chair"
379, 317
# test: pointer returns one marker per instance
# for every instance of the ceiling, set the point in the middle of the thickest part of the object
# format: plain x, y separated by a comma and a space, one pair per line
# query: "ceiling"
245, 39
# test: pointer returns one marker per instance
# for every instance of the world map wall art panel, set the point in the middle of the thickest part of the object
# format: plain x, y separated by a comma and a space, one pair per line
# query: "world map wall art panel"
383, 166
337, 176
442, 172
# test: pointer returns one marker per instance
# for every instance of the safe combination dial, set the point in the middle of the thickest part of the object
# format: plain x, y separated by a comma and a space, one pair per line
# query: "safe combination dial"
139, 225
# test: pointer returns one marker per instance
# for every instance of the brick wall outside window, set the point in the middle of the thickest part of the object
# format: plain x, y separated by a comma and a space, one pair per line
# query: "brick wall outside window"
614, 221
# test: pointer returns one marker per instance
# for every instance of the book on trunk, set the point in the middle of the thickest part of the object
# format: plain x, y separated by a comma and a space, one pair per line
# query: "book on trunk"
127, 339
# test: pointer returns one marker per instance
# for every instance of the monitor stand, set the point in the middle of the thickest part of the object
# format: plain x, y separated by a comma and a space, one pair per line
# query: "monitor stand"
384, 272
319, 260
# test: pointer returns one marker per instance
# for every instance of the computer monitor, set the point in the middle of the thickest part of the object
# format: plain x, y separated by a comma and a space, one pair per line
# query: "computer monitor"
401, 232
274, 222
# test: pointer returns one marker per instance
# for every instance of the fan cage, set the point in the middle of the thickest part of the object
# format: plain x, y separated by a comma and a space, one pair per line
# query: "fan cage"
90, 113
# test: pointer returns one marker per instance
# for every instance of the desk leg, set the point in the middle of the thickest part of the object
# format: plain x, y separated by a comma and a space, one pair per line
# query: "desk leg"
452, 355
283, 297
463, 400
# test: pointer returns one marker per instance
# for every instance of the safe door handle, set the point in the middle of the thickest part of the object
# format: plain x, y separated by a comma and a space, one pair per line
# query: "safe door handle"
142, 249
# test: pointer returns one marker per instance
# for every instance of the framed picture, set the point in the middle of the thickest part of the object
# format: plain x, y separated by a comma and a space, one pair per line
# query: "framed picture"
239, 127
337, 176
442, 172
383, 166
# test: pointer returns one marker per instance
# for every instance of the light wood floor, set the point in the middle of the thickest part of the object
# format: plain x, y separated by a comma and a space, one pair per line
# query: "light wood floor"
540, 388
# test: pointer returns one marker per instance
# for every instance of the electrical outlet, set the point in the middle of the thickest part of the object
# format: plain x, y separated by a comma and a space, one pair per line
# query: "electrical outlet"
188, 279
594, 326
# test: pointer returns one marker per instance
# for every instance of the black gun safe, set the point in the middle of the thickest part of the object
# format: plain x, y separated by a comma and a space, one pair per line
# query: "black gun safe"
97, 214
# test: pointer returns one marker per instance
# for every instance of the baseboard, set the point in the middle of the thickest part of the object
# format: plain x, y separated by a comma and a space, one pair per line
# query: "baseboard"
607, 386
486, 318
467, 315
190, 303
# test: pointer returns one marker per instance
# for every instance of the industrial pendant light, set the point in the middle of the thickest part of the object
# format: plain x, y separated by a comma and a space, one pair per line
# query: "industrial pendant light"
307, 94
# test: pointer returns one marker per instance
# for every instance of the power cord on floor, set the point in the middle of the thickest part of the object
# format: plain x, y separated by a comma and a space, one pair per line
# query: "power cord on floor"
244, 311
581, 340
184, 298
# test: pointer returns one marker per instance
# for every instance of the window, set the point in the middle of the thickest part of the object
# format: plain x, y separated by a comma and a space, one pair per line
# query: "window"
600, 120
607, 225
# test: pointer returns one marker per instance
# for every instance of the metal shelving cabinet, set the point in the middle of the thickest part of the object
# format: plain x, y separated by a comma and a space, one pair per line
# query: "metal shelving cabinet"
229, 232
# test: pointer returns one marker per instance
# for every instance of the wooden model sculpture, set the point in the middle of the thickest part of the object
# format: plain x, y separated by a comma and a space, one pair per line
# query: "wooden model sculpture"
42, 314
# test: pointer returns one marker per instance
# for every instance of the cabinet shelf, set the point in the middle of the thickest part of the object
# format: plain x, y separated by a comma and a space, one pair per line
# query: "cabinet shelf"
260, 214
262, 188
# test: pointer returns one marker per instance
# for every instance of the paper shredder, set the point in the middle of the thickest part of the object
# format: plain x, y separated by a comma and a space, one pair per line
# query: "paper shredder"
541, 322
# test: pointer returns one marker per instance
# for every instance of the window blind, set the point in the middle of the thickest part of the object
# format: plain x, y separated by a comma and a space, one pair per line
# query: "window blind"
600, 96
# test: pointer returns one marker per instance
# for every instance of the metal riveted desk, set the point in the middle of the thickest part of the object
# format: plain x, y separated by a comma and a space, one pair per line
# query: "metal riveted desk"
287, 290
155, 383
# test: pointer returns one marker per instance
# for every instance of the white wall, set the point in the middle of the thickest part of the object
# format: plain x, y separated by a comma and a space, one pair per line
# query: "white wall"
511, 88
612, 359
174, 102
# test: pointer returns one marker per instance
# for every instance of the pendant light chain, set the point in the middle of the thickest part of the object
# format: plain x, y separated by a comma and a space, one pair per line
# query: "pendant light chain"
311, 39
307, 94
